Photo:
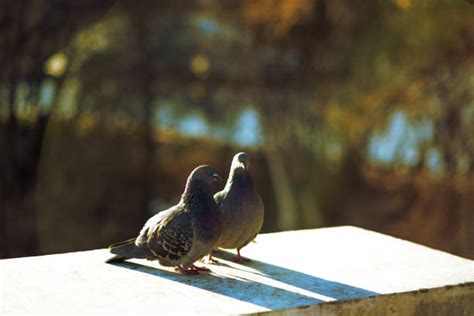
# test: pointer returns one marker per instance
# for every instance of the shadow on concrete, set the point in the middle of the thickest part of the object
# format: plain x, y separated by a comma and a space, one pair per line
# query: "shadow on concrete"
242, 289
253, 290
335, 290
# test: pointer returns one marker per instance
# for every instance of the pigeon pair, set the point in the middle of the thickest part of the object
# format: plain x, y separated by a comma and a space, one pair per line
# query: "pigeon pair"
199, 223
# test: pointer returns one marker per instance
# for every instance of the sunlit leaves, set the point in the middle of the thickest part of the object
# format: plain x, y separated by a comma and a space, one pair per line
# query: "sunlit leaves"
56, 65
323, 67
276, 15
403, 4
200, 65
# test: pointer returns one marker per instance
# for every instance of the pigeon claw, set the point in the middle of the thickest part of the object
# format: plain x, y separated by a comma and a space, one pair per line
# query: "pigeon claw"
199, 268
239, 259
186, 271
211, 260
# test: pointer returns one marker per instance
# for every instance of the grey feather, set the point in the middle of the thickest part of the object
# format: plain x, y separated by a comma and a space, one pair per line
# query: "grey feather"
240, 206
124, 250
183, 233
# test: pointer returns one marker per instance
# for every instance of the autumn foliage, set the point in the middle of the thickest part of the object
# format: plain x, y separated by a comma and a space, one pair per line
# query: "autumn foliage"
364, 114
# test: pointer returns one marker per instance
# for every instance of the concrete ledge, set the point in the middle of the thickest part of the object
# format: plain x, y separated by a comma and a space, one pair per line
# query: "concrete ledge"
446, 300
330, 271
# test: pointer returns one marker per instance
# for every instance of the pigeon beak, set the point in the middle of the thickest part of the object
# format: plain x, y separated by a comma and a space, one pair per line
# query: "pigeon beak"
217, 178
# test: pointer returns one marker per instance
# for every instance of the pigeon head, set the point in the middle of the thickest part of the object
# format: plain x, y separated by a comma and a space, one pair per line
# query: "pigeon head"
241, 160
205, 173
199, 184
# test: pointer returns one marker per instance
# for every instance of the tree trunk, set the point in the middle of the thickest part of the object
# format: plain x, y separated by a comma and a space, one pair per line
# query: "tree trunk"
146, 77
22, 149
286, 206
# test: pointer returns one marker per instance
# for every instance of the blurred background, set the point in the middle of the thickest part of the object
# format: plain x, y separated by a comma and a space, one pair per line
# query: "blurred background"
354, 112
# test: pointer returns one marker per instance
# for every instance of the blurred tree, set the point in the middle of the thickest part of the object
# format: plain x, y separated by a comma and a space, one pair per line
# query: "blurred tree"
365, 106
31, 33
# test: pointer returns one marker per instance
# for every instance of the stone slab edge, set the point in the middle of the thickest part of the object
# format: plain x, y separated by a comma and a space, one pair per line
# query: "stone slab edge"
446, 300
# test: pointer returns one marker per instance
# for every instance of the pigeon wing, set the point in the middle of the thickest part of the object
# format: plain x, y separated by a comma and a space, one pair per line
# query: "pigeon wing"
172, 237
151, 224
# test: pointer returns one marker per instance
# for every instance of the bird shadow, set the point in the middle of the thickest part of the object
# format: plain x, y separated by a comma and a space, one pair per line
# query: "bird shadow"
271, 286
328, 288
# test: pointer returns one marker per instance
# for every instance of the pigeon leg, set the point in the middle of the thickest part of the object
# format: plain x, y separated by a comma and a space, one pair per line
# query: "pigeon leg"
186, 271
211, 260
239, 258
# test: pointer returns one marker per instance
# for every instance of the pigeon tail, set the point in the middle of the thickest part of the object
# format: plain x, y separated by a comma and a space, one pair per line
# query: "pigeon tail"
126, 250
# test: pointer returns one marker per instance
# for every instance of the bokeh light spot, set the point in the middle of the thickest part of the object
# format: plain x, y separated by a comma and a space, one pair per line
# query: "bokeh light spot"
403, 4
56, 65
200, 65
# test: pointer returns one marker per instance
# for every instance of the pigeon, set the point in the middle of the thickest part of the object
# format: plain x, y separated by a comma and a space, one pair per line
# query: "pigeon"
241, 208
182, 234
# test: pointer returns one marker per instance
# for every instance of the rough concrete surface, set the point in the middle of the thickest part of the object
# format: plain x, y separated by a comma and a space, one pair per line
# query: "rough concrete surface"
330, 271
